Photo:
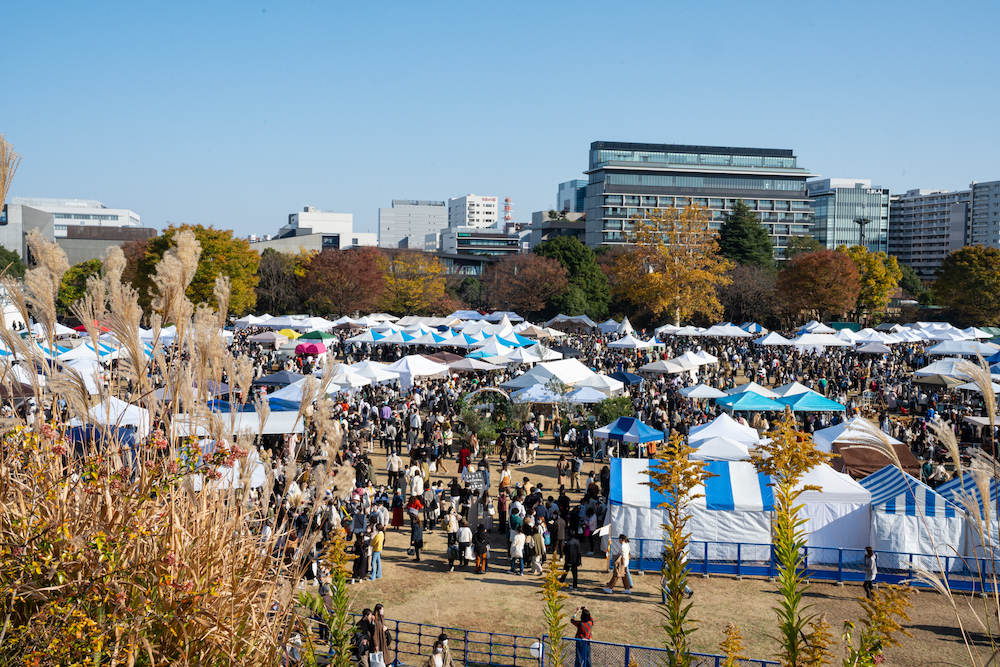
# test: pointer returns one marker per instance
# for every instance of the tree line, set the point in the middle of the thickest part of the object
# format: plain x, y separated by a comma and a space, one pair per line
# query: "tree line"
673, 267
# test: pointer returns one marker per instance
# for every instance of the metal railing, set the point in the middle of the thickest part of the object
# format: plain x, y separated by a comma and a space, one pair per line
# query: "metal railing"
822, 563
475, 647
605, 654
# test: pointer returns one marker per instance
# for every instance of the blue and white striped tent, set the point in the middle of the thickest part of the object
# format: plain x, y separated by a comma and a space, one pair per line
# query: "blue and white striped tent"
910, 517
965, 485
734, 506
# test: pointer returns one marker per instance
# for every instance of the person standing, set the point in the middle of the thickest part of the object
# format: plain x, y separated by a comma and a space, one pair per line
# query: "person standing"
517, 550
378, 541
481, 548
562, 470
871, 569
584, 633
464, 542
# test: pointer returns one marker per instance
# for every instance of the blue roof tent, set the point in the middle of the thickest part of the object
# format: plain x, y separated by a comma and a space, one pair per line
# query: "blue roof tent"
628, 429
896, 492
627, 378
954, 488
749, 401
811, 402
279, 379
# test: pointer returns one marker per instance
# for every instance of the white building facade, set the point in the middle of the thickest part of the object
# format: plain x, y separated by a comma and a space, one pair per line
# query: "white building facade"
80, 213
311, 229
838, 203
473, 211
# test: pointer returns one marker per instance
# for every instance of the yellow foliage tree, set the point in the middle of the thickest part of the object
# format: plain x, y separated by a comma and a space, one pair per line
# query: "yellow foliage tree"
879, 275
674, 265
414, 280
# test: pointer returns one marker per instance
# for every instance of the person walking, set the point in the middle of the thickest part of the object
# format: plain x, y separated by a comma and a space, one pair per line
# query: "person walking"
416, 538
572, 559
871, 569
621, 568
584, 633
517, 551
464, 538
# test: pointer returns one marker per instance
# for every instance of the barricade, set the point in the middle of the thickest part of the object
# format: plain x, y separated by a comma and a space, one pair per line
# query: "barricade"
605, 654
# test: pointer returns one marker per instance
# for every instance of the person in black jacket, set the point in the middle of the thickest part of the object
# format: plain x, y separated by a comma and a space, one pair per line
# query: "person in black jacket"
573, 558
481, 548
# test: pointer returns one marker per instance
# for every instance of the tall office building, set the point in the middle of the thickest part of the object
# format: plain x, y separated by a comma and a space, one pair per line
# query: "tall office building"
628, 180
838, 203
926, 225
984, 225
410, 220
571, 196
473, 211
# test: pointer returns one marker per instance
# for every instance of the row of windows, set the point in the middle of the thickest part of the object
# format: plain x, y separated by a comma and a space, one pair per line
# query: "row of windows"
801, 228
713, 182
79, 216
601, 156
705, 202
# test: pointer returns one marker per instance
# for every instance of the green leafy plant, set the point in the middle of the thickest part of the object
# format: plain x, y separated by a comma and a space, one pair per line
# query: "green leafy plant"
676, 476
555, 615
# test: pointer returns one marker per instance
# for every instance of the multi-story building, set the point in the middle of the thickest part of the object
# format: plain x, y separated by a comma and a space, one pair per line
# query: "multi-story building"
316, 230
926, 225
628, 180
408, 222
572, 195
984, 224
840, 203
473, 211
80, 213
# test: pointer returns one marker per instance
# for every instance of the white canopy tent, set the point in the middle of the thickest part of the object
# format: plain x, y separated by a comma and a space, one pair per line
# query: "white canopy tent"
838, 516
116, 412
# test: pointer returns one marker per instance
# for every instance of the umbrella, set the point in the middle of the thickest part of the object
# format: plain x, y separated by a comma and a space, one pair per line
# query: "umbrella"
310, 348
318, 335
279, 379
938, 381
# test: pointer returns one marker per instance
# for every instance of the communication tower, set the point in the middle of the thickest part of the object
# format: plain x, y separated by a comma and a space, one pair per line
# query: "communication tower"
508, 215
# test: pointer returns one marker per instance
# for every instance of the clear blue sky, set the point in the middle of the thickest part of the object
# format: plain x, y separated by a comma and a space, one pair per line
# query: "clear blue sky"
237, 114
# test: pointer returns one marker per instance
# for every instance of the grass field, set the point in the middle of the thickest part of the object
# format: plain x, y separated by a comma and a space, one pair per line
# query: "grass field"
498, 601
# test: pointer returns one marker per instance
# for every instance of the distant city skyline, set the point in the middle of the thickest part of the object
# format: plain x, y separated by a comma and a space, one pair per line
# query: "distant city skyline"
236, 116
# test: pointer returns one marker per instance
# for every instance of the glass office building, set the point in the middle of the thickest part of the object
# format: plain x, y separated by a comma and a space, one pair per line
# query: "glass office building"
838, 203
627, 180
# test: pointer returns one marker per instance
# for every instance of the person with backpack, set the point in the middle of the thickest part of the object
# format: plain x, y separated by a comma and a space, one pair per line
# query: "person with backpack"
574, 479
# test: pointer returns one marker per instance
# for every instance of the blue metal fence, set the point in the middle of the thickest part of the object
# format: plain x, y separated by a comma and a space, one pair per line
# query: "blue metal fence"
821, 563
413, 642
604, 654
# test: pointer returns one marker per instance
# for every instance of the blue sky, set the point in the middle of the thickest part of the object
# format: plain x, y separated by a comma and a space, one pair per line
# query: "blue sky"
237, 114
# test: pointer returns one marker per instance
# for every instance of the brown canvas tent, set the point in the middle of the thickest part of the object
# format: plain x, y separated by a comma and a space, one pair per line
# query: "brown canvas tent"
860, 461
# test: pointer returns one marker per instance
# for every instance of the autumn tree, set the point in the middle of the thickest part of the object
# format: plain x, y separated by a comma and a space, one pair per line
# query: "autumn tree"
750, 294
743, 239
525, 283
674, 266
221, 253
344, 282
278, 283
414, 282
590, 296
135, 252
878, 274
822, 282
74, 284
968, 285
798, 245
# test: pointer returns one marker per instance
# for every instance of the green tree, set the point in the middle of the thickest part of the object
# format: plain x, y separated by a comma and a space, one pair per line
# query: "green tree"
968, 284
743, 239
11, 262
910, 281
801, 244
74, 284
611, 409
221, 253
584, 273
878, 275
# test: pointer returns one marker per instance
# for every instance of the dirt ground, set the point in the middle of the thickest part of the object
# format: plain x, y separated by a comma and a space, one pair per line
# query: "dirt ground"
498, 601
